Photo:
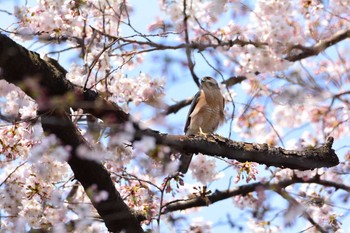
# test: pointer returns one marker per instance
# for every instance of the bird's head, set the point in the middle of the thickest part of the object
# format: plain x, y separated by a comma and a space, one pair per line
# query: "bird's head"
209, 82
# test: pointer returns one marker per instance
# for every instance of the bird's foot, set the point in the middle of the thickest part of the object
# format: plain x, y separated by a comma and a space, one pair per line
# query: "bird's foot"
202, 133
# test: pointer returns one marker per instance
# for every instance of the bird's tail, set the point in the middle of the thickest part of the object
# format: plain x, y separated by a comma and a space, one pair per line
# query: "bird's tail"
185, 161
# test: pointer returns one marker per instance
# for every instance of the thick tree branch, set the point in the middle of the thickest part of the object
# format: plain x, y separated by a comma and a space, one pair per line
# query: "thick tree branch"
115, 213
213, 145
317, 48
17, 64
216, 145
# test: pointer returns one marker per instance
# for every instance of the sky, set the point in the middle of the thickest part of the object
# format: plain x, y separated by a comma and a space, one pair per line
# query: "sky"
175, 91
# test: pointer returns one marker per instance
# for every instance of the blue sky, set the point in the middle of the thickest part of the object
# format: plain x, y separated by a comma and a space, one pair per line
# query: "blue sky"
177, 90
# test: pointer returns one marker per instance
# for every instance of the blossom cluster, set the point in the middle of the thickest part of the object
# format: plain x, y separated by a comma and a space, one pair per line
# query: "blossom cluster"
15, 104
30, 193
70, 18
280, 96
103, 69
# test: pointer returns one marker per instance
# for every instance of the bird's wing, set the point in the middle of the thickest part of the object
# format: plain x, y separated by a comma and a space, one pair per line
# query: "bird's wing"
223, 108
193, 105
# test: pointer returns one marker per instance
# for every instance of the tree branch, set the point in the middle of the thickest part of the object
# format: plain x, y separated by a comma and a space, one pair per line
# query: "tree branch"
244, 190
291, 54
215, 145
293, 202
18, 64
306, 51
178, 106
190, 45
188, 49
318, 47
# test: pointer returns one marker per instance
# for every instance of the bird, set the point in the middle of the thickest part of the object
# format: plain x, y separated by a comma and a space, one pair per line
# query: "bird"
205, 115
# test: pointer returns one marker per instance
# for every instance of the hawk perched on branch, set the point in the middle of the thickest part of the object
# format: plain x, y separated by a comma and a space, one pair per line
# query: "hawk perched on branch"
205, 115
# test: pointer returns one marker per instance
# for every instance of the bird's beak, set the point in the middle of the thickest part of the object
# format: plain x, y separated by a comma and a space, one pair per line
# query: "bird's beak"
204, 79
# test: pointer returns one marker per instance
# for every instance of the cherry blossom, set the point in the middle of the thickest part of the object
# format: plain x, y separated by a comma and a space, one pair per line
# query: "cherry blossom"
284, 67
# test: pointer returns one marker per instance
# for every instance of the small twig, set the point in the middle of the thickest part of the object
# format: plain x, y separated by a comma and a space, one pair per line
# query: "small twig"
12, 173
188, 49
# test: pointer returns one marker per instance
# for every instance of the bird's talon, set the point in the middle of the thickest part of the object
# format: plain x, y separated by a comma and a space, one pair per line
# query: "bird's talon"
206, 112
202, 133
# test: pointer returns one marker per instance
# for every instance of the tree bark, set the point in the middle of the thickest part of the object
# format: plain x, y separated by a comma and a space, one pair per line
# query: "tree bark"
215, 145
17, 64
243, 190
24, 68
